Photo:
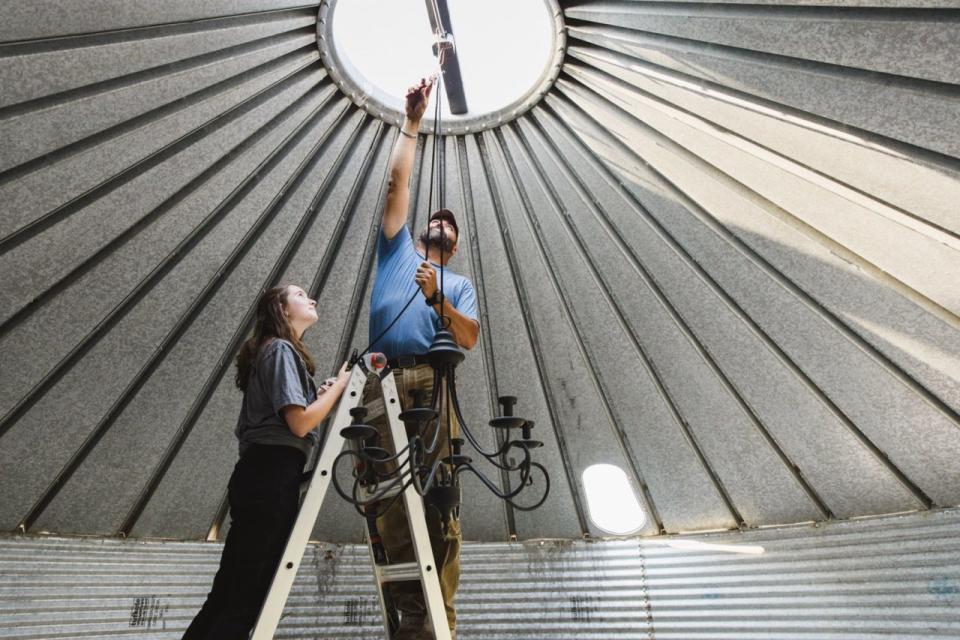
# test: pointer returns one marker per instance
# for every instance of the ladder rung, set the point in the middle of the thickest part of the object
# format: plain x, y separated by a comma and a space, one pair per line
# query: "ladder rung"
399, 572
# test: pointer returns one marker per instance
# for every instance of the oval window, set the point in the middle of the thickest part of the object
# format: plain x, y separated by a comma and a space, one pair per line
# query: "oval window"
611, 500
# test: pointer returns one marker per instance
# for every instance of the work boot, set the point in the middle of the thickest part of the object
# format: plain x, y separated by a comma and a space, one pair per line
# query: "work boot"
418, 629
412, 628
412, 608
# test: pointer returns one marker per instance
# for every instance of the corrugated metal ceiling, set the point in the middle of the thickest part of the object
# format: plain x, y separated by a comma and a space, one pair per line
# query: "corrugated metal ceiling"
722, 254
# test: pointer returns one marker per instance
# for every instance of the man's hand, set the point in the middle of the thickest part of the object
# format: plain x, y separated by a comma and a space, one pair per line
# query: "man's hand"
426, 279
417, 98
465, 329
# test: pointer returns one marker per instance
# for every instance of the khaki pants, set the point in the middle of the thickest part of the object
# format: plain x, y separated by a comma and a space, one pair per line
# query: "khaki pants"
445, 540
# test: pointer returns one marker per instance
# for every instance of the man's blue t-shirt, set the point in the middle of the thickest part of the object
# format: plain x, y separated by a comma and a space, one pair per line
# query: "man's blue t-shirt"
397, 262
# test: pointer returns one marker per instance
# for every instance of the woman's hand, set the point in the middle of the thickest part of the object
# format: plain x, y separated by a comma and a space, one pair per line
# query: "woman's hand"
339, 383
343, 377
326, 386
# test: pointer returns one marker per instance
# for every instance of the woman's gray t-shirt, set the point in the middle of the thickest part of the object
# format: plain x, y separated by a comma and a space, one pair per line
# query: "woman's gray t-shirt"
279, 378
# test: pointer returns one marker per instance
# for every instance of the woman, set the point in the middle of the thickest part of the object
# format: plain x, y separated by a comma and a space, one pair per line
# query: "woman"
276, 429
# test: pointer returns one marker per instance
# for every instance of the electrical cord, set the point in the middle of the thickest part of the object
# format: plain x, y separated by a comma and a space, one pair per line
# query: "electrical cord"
412, 471
443, 320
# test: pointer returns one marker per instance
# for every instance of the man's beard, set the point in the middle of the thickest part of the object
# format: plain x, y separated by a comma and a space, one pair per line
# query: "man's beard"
438, 239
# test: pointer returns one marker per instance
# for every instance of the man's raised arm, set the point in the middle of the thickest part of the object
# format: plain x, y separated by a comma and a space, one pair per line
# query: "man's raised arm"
395, 209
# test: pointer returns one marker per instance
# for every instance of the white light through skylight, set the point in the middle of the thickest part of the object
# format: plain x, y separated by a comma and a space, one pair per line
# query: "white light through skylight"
504, 46
611, 500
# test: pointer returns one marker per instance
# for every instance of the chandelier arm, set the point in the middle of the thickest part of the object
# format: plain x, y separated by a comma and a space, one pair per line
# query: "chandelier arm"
473, 441
379, 509
466, 466
429, 480
351, 498
527, 460
366, 457
490, 485
546, 479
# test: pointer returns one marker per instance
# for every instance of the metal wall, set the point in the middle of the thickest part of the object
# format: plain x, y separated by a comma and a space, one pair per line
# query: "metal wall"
889, 577
721, 254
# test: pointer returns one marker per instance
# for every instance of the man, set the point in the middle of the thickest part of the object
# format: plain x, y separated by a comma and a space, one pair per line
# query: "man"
403, 264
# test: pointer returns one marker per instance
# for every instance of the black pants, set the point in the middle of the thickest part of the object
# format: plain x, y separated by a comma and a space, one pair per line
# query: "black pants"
264, 500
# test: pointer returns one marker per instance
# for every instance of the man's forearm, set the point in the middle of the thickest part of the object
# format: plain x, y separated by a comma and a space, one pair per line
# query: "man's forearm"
465, 329
397, 203
404, 151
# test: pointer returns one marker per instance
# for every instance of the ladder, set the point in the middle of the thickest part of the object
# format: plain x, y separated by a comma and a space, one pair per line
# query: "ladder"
423, 570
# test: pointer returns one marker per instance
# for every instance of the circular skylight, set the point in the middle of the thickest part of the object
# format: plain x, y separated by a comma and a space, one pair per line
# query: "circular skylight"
509, 53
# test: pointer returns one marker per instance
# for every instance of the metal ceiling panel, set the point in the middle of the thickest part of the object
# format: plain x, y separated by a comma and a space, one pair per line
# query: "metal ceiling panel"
720, 253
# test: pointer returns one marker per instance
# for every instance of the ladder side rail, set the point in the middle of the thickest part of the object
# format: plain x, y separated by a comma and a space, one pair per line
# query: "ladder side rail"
283, 579
416, 517
381, 598
377, 582
402, 461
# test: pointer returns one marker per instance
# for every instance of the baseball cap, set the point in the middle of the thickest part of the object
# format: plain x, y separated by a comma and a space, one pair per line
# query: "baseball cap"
446, 214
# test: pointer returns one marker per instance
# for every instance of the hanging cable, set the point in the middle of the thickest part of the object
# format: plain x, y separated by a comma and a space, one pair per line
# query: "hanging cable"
372, 484
433, 156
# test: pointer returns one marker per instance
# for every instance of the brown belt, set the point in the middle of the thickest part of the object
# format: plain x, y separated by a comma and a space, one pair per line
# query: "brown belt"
408, 361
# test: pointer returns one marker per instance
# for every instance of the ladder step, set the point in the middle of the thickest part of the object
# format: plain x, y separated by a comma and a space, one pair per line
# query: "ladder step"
398, 572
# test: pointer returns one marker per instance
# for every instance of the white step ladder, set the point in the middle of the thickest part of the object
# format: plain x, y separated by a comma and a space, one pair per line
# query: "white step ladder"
423, 570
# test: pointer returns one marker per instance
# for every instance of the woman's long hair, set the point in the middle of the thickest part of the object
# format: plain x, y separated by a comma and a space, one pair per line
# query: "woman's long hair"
271, 323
